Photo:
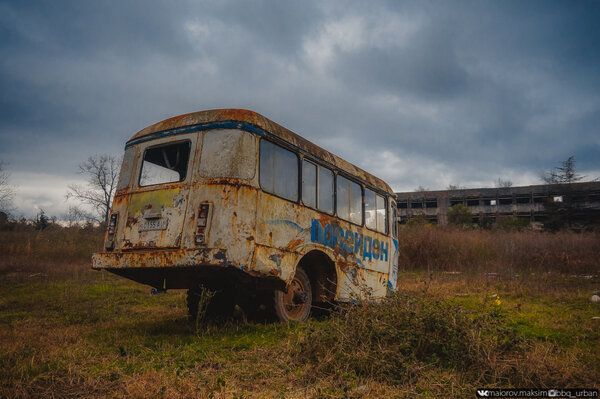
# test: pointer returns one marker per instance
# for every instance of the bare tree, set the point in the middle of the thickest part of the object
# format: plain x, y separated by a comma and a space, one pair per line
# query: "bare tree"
503, 183
421, 189
75, 215
102, 172
7, 191
565, 173
561, 213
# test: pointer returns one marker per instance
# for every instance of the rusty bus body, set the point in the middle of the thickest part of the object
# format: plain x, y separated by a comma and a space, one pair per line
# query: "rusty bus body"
229, 200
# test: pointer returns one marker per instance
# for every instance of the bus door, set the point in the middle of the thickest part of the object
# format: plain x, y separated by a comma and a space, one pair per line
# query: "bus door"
395, 247
156, 211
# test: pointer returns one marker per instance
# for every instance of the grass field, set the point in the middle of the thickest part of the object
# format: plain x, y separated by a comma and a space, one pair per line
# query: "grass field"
67, 331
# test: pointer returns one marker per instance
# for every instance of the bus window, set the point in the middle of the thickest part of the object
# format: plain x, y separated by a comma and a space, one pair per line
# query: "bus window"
309, 184
228, 153
325, 191
375, 211
349, 200
381, 215
278, 170
165, 164
394, 221
317, 187
126, 168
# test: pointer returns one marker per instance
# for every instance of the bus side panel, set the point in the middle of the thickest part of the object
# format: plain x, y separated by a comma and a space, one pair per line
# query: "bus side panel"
231, 221
286, 231
362, 256
119, 207
278, 234
361, 283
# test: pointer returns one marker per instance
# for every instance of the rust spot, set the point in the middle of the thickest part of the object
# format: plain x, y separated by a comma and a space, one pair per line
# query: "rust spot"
118, 199
325, 219
236, 183
295, 243
221, 255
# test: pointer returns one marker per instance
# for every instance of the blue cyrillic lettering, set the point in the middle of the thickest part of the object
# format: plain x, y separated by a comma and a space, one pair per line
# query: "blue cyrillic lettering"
349, 241
383, 250
375, 249
316, 232
367, 248
328, 235
358, 243
338, 237
370, 248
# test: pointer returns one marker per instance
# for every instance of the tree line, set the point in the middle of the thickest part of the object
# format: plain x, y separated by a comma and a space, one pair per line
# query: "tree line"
90, 202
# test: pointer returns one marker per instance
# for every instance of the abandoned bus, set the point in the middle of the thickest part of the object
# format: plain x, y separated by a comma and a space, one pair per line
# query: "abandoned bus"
231, 201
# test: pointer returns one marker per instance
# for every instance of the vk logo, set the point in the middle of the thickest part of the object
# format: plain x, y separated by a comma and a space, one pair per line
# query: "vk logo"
482, 393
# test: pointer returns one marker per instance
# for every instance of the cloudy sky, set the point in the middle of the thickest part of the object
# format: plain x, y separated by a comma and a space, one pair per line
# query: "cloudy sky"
419, 93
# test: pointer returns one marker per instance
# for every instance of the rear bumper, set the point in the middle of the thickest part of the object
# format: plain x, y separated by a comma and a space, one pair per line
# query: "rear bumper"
181, 268
162, 258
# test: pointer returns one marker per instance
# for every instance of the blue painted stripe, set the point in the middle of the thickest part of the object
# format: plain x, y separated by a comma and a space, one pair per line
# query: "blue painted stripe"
227, 125
198, 128
250, 128
284, 222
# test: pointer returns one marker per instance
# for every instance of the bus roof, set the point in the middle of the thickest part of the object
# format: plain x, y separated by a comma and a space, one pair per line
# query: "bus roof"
252, 118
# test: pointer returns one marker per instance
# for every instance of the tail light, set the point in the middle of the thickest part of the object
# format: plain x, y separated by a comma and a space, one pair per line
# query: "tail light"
201, 223
110, 232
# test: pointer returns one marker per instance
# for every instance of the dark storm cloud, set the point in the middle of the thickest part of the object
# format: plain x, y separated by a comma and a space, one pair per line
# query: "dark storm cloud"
421, 93
493, 73
58, 78
277, 27
426, 68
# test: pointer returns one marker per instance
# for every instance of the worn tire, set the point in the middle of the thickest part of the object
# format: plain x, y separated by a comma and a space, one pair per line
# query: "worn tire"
295, 304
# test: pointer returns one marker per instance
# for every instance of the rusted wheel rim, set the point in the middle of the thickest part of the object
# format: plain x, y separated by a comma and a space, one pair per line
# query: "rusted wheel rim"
294, 300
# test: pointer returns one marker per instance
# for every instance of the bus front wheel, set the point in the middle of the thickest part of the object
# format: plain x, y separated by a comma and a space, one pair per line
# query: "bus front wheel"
296, 302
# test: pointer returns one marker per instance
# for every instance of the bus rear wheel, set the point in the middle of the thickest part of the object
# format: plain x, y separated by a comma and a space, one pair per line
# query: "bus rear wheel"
295, 303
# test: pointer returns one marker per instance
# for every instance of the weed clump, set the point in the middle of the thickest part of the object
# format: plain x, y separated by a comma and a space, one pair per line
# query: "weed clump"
395, 340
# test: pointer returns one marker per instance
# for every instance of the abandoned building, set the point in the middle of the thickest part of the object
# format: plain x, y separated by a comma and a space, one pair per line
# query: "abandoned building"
528, 202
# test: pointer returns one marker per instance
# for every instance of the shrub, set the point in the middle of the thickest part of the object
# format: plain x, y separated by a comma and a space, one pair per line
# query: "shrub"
418, 221
391, 341
511, 223
460, 215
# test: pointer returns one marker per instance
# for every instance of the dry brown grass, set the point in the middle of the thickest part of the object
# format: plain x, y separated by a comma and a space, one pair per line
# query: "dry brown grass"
54, 251
66, 331
437, 249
